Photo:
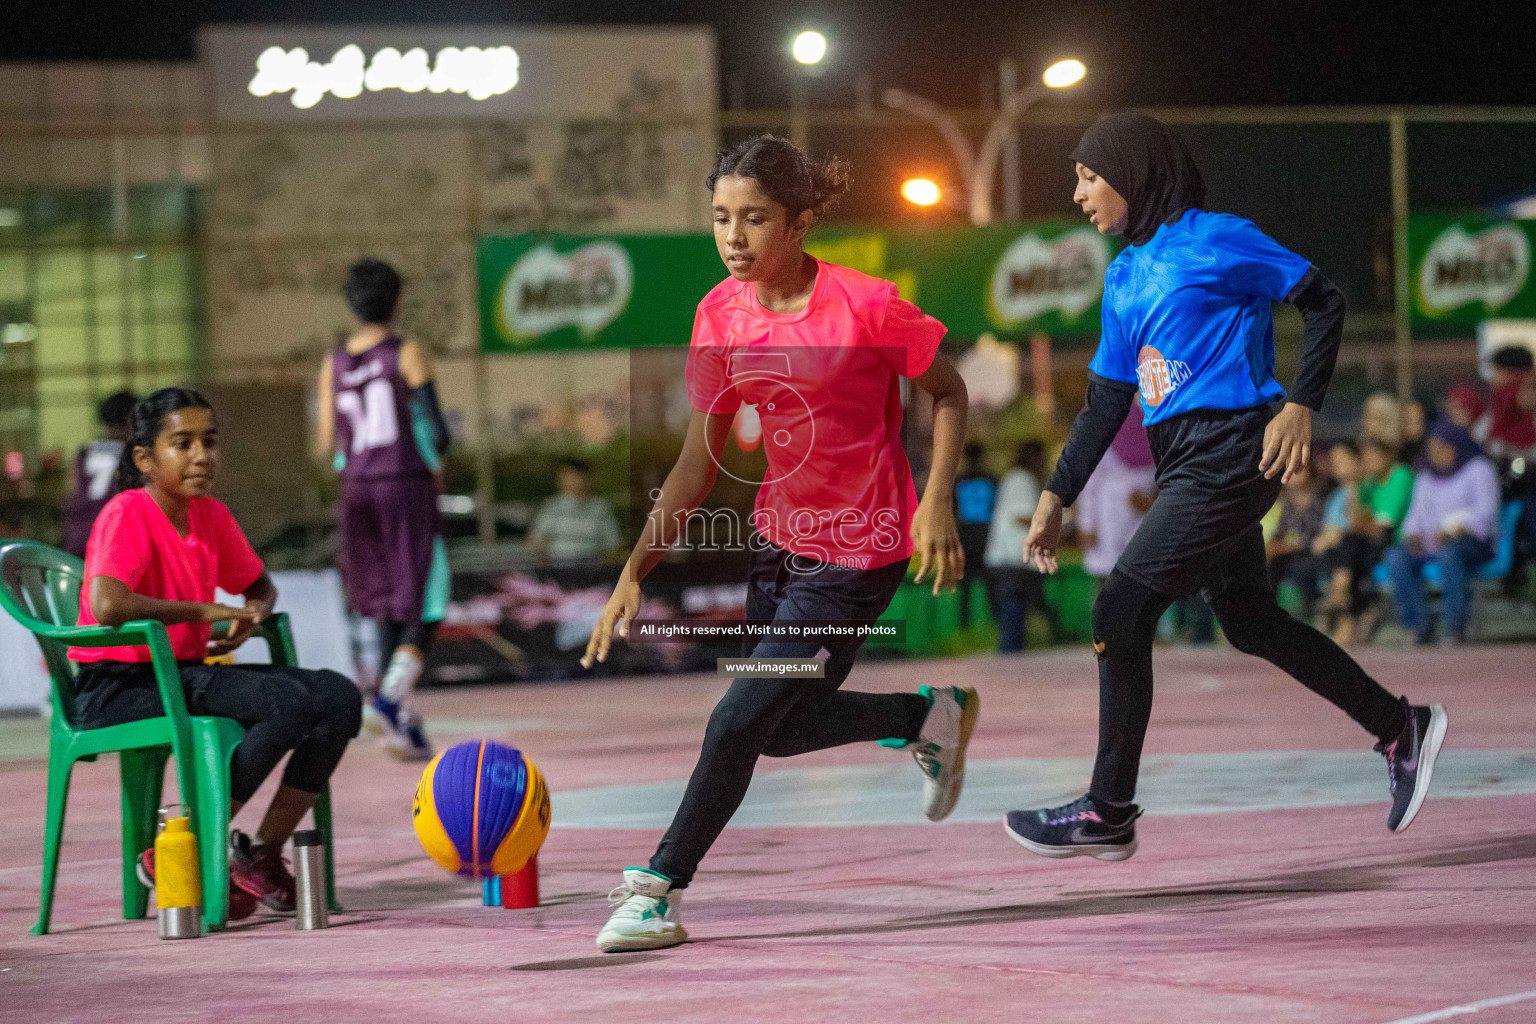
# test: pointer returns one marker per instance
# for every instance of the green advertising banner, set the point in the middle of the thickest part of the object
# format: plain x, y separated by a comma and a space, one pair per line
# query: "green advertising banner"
1464, 270
1008, 280
541, 293
553, 292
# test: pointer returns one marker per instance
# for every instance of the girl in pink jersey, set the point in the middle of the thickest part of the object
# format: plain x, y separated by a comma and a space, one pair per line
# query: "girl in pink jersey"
819, 349
157, 551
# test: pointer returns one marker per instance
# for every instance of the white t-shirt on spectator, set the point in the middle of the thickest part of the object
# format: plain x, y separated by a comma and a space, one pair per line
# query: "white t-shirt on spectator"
1017, 495
1104, 510
572, 527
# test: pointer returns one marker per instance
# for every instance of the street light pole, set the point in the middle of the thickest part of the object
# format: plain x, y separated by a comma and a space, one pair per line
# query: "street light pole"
1402, 322
986, 159
799, 109
927, 110
978, 171
1013, 163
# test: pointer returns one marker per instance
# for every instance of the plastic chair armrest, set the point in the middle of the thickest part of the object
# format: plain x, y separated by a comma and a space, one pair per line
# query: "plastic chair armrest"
129, 634
278, 632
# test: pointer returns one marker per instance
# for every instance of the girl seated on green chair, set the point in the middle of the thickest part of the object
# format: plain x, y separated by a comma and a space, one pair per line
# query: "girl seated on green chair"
157, 551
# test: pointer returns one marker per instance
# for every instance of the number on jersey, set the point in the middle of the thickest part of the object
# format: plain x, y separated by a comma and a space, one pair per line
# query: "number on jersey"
371, 411
100, 471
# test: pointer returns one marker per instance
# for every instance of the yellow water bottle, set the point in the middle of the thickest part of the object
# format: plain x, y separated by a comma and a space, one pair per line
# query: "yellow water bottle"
178, 881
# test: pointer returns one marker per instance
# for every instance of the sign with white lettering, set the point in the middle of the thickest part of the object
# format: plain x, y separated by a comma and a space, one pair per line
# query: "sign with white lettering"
478, 73
265, 73
1470, 269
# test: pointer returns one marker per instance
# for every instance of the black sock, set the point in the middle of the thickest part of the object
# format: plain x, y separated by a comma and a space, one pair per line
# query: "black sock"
1114, 814
1395, 723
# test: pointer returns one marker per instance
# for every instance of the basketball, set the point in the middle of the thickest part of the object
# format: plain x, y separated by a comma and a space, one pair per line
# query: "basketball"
481, 809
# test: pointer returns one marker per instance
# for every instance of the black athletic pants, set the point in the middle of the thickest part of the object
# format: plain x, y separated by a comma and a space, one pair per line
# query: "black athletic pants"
784, 717
312, 712
393, 633
1195, 536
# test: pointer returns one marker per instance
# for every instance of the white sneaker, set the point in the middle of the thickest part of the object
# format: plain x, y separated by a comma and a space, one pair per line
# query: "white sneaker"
407, 741
645, 914
375, 725
940, 746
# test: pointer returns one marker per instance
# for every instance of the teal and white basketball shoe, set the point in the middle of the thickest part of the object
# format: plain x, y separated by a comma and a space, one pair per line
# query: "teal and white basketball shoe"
646, 914
940, 746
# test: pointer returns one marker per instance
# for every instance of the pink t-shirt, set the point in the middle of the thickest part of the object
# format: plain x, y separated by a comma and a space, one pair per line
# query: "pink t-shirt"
134, 542
838, 487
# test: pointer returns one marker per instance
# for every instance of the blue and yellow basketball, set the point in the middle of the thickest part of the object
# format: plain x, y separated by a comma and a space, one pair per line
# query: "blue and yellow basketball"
481, 809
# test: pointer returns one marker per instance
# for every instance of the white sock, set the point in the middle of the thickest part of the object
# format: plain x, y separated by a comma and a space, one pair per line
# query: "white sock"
400, 677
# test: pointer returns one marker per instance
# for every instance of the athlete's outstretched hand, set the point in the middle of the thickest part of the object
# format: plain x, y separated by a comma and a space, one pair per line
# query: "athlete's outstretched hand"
1287, 442
936, 543
1044, 534
621, 608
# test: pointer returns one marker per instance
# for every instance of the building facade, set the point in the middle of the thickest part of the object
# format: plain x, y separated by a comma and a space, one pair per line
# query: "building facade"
192, 222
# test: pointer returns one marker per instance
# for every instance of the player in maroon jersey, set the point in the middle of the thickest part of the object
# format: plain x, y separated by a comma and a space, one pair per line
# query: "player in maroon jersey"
389, 521
95, 469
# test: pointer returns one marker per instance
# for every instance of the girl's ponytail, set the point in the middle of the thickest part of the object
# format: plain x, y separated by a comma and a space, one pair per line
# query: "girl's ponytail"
786, 172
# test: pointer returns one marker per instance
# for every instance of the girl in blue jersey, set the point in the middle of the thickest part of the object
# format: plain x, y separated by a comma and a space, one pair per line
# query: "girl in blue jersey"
1187, 324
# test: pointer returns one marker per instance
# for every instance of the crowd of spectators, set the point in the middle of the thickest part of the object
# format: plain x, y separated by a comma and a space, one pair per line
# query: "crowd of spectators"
1423, 502
1379, 522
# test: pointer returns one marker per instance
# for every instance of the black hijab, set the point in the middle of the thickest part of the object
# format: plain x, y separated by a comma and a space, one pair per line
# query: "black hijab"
1148, 165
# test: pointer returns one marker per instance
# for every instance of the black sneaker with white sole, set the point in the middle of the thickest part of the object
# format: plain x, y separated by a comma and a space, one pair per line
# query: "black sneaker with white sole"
1074, 830
1411, 761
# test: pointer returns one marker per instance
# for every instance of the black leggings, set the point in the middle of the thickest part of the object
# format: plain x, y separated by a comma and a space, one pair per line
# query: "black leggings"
393, 633
312, 712
784, 717
1125, 621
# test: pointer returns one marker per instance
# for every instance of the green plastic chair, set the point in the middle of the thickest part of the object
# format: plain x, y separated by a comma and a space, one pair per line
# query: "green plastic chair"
40, 588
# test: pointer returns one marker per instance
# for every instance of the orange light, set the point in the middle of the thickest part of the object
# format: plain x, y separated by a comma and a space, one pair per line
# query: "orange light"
1064, 73
921, 191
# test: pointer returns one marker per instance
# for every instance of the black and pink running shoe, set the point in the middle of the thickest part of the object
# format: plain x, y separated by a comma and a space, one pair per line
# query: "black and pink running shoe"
1074, 830
260, 870
1411, 761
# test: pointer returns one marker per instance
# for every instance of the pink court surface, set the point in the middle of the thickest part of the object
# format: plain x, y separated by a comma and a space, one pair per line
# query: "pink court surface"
1267, 887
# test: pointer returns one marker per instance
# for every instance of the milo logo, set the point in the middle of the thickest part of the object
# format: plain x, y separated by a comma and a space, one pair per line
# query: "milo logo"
1489, 266
1157, 376
544, 291
1036, 276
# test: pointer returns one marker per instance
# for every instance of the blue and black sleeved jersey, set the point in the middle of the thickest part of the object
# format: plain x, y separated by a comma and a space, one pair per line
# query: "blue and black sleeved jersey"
1187, 316
1187, 325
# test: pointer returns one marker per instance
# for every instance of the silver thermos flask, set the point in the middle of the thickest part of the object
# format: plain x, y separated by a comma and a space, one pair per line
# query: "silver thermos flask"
309, 880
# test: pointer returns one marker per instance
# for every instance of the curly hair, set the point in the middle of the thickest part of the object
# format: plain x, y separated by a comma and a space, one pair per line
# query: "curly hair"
786, 172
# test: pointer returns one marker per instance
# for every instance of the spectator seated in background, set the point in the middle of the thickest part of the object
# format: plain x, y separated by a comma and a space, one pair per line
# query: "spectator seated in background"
1464, 406
1381, 504
1451, 520
1413, 422
574, 524
1381, 419
1012, 585
1289, 545
1116, 497
1512, 446
975, 494
1343, 500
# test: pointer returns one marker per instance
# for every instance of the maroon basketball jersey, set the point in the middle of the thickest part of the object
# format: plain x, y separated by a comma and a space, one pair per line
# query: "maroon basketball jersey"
95, 474
373, 414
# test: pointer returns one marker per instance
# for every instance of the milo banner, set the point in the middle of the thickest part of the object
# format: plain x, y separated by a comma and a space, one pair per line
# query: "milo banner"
1465, 270
1008, 280
551, 292
541, 293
